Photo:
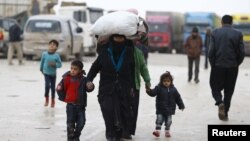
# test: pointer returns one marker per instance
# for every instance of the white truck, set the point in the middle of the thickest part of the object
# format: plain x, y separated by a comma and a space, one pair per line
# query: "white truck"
86, 17
40, 29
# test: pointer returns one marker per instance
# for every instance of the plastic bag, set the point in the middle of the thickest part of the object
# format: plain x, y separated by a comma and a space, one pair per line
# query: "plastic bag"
119, 22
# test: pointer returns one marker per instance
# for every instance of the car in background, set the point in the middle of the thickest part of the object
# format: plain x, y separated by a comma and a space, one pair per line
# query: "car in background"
40, 29
5, 24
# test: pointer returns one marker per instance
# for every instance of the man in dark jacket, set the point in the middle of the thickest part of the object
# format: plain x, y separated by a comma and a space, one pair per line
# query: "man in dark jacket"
226, 53
15, 33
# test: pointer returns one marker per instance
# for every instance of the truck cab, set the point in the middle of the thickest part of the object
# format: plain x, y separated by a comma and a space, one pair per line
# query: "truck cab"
165, 31
201, 20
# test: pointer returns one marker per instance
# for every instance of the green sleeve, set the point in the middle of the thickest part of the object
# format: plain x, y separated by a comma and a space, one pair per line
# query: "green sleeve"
143, 67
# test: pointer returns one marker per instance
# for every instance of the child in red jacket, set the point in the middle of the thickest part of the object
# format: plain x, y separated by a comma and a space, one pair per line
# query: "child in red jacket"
72, 90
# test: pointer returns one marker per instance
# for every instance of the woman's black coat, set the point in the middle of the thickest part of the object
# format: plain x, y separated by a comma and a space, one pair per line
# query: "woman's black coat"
114, 93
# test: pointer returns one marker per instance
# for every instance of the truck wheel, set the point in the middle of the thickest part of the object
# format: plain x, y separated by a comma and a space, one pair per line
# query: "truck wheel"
5, 51
173, 51
66, 56
151, 49
163, 50
29, 57
93, 54
79, 55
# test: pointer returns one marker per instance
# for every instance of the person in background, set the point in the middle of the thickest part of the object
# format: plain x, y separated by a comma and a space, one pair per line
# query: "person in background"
143, 49
226, 53
15, 33
141, 69
207, 42
50, 61
193, 46
167, 97
73, 85
141, 37
142, 42
35, 7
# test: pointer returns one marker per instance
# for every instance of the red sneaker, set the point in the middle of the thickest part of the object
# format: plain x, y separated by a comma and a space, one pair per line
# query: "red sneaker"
156, 133
167, 134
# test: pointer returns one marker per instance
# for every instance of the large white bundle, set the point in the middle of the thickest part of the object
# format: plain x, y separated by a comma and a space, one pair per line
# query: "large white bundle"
119, 22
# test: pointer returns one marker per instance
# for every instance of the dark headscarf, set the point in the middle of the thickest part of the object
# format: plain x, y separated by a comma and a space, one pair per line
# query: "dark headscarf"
117, 47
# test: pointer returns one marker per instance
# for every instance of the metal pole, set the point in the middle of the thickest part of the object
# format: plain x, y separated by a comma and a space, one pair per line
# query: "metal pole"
17, 7
4, 8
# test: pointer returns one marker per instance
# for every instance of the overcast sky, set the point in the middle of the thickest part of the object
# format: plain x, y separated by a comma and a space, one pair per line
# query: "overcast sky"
220, 7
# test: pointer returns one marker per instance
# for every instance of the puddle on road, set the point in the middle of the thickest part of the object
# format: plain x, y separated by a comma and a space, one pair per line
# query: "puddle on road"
42, 127
29, 80
13, 95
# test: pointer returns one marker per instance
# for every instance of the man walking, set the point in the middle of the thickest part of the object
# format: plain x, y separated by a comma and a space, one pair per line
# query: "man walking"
226, 53
15, 33
206, 44
193, 48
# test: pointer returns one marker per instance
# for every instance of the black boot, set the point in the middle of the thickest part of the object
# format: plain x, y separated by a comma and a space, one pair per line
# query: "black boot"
110, 139
126, 135
70, 139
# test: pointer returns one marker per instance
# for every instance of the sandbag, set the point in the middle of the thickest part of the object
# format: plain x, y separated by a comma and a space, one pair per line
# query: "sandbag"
119, 22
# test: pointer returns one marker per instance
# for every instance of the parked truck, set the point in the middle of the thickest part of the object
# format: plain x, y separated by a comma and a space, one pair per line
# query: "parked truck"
201, 20
165, 31
242, 23
86, 17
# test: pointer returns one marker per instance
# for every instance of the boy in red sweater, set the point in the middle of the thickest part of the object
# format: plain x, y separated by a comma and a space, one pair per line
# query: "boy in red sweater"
72, 90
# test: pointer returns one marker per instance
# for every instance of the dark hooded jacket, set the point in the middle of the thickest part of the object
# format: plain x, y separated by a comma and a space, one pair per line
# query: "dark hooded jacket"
166, 99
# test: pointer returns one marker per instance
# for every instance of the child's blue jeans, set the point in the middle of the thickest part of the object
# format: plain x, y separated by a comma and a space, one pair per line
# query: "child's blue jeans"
50, 83
75, 120
160, 119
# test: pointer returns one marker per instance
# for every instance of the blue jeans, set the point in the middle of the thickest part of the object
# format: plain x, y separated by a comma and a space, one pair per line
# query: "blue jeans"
160, 119
50, 83
75, 120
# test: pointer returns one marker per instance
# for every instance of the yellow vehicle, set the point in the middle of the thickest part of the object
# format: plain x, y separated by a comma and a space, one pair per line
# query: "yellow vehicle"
242, 23
5, 24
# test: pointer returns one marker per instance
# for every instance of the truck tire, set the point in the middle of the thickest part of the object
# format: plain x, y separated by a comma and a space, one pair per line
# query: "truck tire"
66, 57
163, 50
79, 55
29, 57
5, 51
